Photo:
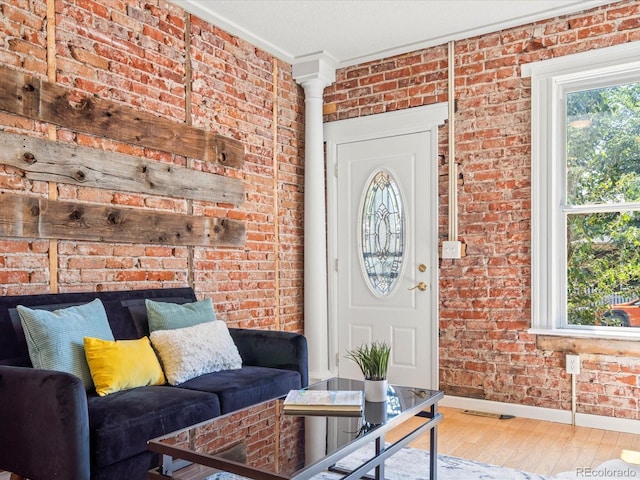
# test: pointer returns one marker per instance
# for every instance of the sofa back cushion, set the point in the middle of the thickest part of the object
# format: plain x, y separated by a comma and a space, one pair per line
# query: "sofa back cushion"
138, 311
117, 304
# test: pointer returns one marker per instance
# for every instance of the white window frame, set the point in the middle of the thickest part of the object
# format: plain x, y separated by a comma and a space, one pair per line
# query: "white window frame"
550, 79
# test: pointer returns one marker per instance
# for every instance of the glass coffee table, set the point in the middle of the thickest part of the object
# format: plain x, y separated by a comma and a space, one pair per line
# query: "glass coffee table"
262, 442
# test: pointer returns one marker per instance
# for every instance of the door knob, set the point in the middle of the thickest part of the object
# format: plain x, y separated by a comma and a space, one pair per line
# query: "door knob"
421, 286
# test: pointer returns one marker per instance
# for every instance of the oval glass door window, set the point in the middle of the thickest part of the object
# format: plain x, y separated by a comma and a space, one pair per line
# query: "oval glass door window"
382, 233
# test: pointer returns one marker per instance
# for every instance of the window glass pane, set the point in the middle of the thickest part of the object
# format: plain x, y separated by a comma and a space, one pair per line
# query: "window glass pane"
603, 268
603, 145
382, 233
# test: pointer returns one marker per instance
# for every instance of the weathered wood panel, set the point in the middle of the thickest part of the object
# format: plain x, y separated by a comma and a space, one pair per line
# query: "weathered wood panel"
46, 160
35, 217
621, 348
38, 99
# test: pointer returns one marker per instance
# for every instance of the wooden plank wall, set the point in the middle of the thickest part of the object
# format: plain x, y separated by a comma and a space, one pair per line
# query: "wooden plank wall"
38, 99
36, 217
47, 160
51, 161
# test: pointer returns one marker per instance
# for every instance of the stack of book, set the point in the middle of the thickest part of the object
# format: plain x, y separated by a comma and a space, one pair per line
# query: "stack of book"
324, 402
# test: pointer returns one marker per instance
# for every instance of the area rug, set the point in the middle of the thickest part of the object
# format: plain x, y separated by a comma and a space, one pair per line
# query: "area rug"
413, 464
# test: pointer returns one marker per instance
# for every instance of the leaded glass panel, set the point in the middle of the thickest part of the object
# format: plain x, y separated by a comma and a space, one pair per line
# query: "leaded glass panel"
382, 235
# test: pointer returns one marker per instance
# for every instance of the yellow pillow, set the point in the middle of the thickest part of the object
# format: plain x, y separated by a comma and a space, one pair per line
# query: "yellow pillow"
122, 364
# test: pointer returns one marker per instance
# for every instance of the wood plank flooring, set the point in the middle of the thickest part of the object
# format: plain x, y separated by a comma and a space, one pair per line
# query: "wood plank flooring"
536, 446
541, 447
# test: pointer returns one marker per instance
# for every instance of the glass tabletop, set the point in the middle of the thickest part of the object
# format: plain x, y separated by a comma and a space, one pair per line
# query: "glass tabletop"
264, 442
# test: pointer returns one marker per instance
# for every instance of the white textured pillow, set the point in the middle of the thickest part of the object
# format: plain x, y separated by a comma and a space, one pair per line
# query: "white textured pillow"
188, 352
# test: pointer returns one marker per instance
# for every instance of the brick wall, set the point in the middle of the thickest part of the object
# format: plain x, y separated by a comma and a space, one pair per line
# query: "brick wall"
485, 297
142, 54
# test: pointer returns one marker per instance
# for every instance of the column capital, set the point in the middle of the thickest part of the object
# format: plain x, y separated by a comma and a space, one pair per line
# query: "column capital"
315, 69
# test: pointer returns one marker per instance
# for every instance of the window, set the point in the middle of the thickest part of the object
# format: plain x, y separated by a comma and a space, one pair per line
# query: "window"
586, 193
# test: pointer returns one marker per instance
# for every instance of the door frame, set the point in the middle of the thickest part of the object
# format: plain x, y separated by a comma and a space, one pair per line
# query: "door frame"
413, 120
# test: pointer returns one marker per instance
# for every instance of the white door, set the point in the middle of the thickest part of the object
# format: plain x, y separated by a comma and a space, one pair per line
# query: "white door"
384, 238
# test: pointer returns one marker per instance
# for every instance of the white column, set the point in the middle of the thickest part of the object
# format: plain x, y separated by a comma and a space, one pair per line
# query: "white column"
314, 74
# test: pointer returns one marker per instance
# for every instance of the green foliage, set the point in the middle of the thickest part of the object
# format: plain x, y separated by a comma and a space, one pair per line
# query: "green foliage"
603, 170
372, 358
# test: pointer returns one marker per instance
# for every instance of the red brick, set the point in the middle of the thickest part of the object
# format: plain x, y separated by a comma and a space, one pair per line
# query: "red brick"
12, 276
596, 30
27, 48
13, 246
630, 24
128, 276
158, 251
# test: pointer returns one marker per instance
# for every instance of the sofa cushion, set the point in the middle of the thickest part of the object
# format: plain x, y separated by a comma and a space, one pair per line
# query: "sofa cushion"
13, 347
250, 385
167, 316
138, 311
120, 424
192, 351
122, 364
56, 339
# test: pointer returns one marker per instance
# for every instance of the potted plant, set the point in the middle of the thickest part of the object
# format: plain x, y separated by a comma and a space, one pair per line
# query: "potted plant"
373, 360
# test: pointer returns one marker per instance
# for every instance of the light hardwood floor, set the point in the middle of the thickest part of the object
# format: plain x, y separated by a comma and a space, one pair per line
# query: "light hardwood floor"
535, 446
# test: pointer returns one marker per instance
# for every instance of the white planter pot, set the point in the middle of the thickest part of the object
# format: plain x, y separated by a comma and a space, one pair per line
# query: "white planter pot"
375, 390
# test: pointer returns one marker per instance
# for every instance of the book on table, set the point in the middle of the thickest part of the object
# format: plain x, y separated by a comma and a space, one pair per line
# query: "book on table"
324, 402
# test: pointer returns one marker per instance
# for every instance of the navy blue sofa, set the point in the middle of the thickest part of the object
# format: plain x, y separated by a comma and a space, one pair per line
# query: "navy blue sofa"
50, 427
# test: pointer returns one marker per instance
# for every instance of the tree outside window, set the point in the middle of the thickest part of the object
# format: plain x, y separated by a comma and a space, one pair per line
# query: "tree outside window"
602, 204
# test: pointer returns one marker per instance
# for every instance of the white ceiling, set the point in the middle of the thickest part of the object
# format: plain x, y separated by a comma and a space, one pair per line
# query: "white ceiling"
350, 32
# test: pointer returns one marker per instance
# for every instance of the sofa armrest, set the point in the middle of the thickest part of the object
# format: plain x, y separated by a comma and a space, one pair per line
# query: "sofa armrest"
273, 348
44, 422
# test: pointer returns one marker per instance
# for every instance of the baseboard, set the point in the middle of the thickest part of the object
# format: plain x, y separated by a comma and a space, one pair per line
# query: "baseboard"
540, 413
625, 425
525, 411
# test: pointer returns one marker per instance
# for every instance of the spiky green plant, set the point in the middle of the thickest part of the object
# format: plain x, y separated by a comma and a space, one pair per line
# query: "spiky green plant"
372, 358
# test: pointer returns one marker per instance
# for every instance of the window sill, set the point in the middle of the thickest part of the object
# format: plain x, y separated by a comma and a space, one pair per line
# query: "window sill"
572, 341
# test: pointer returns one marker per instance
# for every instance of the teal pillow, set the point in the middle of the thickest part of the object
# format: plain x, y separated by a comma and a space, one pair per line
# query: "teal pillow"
56, 339
169, 316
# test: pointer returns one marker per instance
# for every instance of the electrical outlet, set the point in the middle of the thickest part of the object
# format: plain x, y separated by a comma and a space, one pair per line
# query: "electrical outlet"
573, 364
451, 249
